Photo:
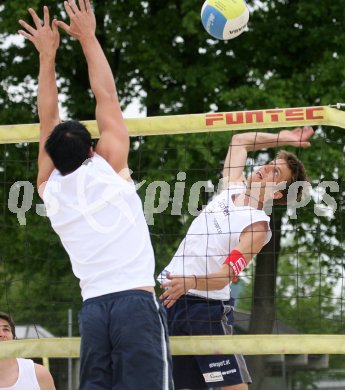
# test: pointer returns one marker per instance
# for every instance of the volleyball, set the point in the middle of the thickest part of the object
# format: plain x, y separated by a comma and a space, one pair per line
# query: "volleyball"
224, 19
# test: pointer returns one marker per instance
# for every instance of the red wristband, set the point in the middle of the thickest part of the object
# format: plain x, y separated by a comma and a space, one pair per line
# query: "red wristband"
237, 262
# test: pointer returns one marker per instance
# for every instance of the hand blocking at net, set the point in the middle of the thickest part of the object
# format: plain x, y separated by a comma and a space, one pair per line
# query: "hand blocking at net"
83, 21
45, 36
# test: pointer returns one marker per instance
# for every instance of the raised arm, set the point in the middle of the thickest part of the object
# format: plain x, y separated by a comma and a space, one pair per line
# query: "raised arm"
46, 39
114, 141
252, 240
242, 143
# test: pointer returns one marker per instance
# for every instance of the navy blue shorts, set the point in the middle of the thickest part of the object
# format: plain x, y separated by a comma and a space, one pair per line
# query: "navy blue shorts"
194, 316
124, 343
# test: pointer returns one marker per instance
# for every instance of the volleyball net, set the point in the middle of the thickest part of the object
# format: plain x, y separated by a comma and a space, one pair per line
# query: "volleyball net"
199, 123
69, 347
306, 300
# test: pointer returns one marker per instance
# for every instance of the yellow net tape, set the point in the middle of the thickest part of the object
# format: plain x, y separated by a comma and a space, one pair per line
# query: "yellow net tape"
197, 123
196, 345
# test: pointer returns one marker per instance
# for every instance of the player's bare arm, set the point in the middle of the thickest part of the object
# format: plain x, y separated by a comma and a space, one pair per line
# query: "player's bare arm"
242, 143
114, 140
251, 241
46, 39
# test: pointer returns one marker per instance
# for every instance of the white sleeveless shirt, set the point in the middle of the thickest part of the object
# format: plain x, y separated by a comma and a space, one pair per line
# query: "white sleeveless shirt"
27, 376
213, 234
99, 218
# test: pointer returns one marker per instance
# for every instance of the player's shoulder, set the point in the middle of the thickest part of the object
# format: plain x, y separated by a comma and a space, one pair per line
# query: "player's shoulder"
44, 377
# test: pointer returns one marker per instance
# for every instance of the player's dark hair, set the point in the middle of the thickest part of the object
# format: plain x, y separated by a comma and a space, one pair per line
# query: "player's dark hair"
68, 146
298, 173
8, 318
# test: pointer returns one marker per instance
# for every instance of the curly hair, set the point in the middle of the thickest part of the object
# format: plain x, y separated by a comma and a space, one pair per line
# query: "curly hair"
298, 174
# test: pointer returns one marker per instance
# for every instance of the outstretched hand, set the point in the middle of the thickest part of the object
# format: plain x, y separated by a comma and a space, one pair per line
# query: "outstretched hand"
46, 38
82, 19
298, 137
176, 287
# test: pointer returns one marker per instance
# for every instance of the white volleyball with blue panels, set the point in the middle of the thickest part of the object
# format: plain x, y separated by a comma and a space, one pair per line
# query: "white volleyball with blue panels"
224, 19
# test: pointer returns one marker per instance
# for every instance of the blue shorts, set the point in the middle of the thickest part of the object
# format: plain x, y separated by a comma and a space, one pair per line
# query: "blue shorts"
124, 343
195, 316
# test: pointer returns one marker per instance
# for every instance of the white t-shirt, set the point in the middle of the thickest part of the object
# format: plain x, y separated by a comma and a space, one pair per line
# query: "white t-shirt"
26, 378
99, 218
211, 237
